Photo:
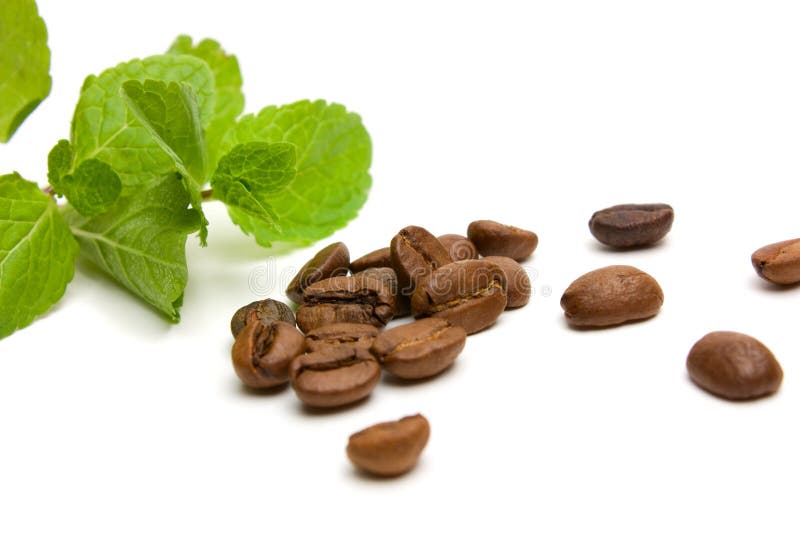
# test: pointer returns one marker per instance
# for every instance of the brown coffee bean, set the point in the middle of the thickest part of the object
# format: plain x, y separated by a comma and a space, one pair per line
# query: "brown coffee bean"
420, 349
334, 376
344, 299
459, 247
610, 296
518, 291
779, 263
376, 258
262, 353
389, 449
631, 225
467, 293
734, 366
331, 261
495, 239
350, 334
415, 254
387, 275
266, 311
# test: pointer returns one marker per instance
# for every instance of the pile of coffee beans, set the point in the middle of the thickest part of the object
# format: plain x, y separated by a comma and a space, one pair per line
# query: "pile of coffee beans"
455, 286
339, 352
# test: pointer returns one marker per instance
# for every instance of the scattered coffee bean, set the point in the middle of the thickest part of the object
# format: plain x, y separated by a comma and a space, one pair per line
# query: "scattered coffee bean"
266, 311
334, 376
376, 258
415, 254
331, 261
518, 291
459, 247
610, 296
631, 225
467, 293
389, 449
350, 334
734, 366
262, 353
387, 275
495, 239
420, 349
779, 263
344, 299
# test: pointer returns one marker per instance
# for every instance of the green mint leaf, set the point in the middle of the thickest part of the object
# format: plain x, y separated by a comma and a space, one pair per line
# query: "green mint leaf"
59, 163
229, 103
37, 253
24, 63
104, 128
248, 177
141, 241
334, 153
92, 188
170, 113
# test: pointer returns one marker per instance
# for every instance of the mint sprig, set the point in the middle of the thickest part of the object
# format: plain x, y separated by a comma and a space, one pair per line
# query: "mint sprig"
148, 137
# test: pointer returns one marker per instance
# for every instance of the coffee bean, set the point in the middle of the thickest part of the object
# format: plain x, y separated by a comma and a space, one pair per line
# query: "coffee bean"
262, 353
467, 293
387, 275
734, 366
350, 334
459, 247
343, 299
415, 254
779, 263
331, 261
495, 239
631, 225
334, 376
610, 296
376, 258
266, 311
389, 449
420, 349
518, 291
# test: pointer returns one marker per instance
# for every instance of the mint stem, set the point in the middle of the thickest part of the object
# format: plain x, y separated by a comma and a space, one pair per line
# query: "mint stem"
49, 191
208, 194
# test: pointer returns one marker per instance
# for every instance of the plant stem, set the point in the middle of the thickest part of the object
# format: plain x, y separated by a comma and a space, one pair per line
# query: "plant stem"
49, 191
208, 194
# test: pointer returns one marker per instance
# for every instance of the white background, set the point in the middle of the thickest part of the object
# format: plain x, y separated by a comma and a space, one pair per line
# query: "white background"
531, 113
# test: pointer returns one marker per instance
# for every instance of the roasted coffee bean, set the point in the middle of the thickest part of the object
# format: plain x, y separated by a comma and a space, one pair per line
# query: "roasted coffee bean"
350, 334
334, 376
266, 311
389, 449
734, 366
376, 258
415, 254
467, 293
518, 291
779, 263
331, 261
387, 275
343, 299
419, 349
611, 295
262, 353
459, 247
495, 239
631, 225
